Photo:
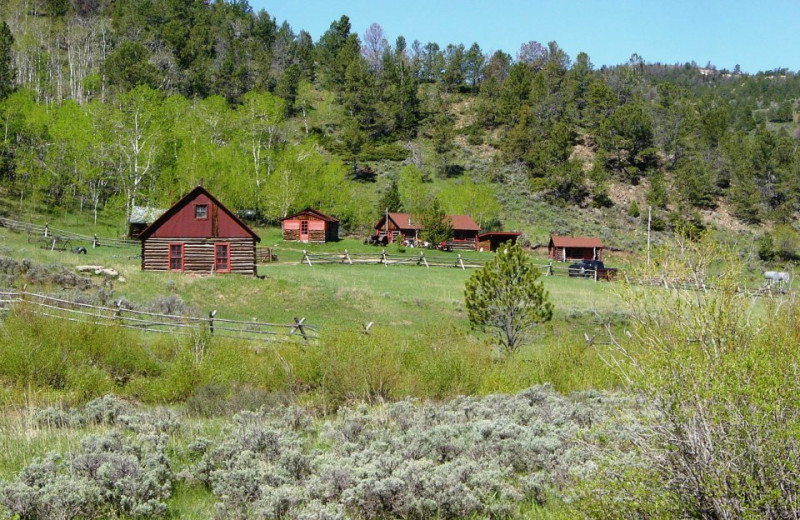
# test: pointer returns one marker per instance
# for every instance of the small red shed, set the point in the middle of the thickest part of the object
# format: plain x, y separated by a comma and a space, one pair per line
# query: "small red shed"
199, 234
310, 225
563, 249
491, 240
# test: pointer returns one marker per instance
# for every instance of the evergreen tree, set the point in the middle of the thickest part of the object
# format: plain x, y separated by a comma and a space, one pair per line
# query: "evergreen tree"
435, 227
391, 201
506, 297
6, 67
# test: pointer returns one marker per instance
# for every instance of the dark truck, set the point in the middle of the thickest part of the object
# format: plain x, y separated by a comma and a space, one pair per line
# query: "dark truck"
587, 268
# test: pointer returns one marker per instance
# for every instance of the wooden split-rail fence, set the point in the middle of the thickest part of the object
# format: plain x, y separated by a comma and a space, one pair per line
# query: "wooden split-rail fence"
54, 238
119, 316
387, 259
458, 261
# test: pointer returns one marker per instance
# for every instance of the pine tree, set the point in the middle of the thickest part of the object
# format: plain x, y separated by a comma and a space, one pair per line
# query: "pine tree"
6, 67
506, 297
435, 227
391, 201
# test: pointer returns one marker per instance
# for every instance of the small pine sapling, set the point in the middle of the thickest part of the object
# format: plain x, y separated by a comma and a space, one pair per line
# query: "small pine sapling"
506, 297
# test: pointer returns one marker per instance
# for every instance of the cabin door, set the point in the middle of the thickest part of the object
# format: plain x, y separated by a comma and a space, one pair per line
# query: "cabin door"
303, 231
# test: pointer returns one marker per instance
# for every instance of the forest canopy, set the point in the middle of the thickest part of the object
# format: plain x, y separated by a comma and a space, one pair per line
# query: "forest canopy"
115, 104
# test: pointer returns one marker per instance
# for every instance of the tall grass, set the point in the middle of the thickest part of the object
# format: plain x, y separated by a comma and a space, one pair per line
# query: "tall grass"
46, 360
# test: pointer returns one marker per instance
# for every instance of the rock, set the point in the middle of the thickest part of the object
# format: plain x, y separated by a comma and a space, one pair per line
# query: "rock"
109, 273
88, 268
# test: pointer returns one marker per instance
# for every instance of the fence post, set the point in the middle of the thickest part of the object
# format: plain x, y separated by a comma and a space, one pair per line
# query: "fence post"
461, 262
383, 258
422, 259
46, 229
298, 325
347, 257
595, 274
366, 328
305, 257
94, 241
211, 320
118, 312
549, 268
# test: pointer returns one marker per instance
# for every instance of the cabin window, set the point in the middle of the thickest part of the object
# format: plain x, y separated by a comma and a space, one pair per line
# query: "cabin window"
201, 211
176, 257
222, 257
303, 227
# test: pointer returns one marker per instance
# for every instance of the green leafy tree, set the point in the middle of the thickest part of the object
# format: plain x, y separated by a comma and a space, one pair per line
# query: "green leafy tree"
507, 298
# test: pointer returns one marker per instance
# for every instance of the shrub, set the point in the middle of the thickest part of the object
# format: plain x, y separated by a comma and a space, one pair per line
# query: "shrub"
466, 457
720, 372
110, 476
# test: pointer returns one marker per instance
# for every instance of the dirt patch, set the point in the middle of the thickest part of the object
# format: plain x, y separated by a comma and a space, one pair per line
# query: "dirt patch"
721, 217
622, 194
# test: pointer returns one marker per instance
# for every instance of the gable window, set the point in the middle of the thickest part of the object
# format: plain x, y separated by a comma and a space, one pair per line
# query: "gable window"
201, 211
176, 257
222, 257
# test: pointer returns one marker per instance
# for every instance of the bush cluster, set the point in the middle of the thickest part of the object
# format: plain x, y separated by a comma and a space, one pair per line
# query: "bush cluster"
14, 272
467, 456
110, 475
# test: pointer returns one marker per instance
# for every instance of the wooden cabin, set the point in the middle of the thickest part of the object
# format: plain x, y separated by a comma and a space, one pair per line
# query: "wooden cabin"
397, 226
310, 225
564, 249
199, 235
492, 240
141, 217
465, 232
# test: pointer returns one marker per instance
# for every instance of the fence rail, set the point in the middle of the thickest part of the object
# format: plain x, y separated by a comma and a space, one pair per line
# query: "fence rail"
387, 259
67, 310
54, 234
422, 259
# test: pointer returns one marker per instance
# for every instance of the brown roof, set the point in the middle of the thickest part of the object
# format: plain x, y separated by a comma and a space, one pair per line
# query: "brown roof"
320, 215
558, 241
489, 234
149, 230
463, 223
401, 220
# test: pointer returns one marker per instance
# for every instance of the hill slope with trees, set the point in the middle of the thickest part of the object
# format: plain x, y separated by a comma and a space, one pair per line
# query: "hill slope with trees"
107, 105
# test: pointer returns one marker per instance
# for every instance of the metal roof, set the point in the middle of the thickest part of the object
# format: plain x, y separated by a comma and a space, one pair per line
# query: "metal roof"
145, 214
559, 241
186, 199
320, 215
463, 223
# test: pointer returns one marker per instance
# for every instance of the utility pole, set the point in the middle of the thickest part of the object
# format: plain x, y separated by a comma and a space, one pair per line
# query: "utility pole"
649, 220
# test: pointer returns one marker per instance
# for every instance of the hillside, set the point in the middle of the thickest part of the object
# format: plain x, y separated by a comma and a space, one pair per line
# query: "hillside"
272, 122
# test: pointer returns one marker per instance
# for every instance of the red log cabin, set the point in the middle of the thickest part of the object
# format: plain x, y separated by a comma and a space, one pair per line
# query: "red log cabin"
199, 234
563, 249
310, 225
465, 232
398, 226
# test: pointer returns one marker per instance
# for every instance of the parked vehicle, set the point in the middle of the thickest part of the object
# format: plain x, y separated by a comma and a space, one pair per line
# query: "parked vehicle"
587, 269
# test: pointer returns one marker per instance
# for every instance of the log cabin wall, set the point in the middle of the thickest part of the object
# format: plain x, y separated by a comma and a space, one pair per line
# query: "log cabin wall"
198, 254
